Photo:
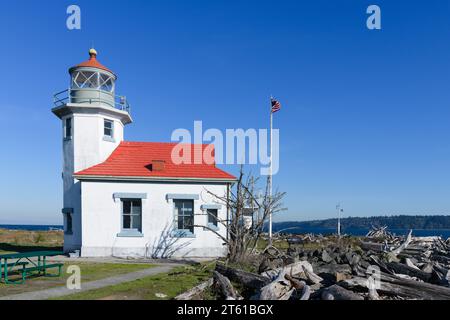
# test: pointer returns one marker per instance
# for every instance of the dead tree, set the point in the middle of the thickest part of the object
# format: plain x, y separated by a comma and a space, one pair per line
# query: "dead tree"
242, 240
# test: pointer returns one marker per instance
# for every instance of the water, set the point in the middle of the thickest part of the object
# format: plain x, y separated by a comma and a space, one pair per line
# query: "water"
30, 227
444, 233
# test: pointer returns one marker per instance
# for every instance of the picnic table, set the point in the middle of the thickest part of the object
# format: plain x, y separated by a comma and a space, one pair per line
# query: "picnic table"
10, 262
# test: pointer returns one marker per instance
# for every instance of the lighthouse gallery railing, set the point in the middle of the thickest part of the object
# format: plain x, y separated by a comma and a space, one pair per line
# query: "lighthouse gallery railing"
65, 96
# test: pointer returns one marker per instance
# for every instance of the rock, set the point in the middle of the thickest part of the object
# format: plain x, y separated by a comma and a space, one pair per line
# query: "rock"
326, 257
327, 296
342, 276
352, 258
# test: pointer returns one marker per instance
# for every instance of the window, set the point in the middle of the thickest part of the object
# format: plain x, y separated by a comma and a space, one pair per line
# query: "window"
108, 130
132, 215
106, 83
212, 217
85, 79
184, 215
68, 229
68, 128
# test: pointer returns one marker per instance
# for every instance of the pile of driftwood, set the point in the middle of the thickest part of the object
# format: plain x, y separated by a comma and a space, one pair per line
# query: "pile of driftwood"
380, 232
376, 268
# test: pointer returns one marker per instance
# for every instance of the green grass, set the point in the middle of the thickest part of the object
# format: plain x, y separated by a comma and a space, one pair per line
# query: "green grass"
279, 244
170, 284
89, 272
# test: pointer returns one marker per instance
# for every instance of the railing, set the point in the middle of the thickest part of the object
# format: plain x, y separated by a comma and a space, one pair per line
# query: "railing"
65, 96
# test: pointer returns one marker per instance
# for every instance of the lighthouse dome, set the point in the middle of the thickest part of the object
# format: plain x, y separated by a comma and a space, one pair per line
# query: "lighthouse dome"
92, 62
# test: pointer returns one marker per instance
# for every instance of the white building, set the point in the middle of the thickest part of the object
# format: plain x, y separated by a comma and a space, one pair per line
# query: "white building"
129, 198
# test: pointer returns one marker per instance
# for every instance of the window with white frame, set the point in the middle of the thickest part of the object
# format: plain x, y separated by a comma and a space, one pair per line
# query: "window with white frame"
106, 83
85, 79
92, 80
184, 215
132, 215
68, 128
108, 128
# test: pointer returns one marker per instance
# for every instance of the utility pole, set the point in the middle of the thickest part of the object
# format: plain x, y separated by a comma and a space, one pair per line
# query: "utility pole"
339, 209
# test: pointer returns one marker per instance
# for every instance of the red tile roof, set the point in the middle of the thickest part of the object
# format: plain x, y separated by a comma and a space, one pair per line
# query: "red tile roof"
93, 62
134, 160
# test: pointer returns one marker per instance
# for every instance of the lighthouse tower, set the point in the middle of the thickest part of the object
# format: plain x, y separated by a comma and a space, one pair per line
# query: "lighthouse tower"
93, 120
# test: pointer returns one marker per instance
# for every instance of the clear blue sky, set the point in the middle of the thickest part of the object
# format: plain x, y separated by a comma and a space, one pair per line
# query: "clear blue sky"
365, 116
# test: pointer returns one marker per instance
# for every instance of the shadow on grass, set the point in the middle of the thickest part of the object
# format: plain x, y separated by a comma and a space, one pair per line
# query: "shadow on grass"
27, 248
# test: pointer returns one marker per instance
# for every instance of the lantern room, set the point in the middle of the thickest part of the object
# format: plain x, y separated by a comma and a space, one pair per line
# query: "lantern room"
91, 82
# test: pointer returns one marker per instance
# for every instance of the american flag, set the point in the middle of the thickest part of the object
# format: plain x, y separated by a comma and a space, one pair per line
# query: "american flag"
276, 106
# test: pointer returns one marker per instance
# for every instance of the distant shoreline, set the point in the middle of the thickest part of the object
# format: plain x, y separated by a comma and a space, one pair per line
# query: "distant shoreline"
31, 227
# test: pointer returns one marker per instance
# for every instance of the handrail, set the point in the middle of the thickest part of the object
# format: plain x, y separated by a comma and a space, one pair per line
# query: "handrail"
63, 97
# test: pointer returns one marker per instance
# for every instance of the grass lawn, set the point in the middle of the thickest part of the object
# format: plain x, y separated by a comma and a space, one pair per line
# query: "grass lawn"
170, 284
89, 272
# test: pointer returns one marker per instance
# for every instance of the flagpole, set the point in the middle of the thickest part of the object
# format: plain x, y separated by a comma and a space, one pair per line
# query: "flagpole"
270, 175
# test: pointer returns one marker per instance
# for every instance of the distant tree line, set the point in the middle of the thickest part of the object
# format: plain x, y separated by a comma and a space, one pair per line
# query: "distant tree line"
392, 222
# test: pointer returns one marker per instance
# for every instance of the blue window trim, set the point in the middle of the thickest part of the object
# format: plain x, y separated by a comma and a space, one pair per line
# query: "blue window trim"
130, 234
67, 210
212, 227
126, 195
108, 139
182, 234
211, 206
177, 196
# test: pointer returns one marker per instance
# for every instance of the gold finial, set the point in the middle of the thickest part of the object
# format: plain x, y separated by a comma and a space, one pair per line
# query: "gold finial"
93, 53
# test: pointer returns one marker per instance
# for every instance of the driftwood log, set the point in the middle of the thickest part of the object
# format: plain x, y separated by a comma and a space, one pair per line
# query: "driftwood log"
401, 268
336, 292
312, 277
195, 292
247, 279
393, 286
291, 269
279, 289
224, 288
394, 253
303, 290
373, 246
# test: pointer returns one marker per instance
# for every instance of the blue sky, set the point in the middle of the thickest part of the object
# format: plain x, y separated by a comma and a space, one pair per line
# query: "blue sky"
365, 116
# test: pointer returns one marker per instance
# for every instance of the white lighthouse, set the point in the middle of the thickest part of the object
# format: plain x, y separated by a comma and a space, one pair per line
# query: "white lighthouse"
125, 198
93, 120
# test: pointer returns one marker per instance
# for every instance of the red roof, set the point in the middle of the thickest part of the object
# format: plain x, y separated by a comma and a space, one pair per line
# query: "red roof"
134, 160
93, 62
